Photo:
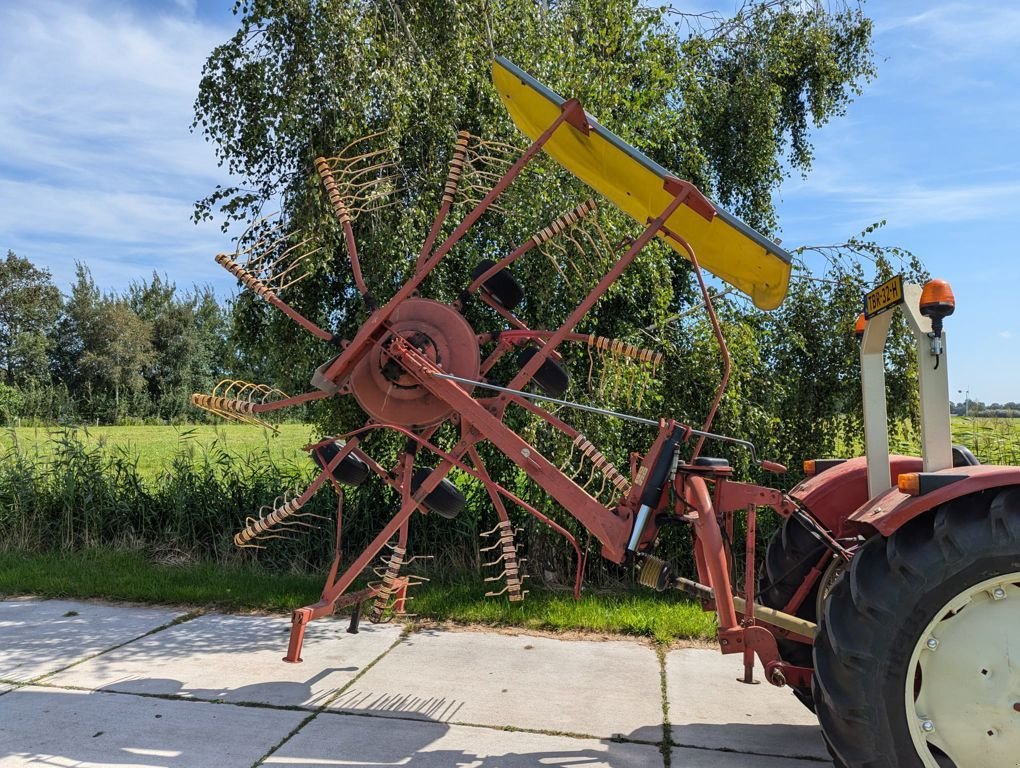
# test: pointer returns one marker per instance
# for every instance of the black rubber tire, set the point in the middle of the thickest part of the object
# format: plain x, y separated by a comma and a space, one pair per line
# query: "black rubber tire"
445, 500
351, 471
792, 552
551, 377
501, 286
875, 613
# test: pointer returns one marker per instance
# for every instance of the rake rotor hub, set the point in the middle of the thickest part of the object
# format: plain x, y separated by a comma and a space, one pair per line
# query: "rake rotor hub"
389, 392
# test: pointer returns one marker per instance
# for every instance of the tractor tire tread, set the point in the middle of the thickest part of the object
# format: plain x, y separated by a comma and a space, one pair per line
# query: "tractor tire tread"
868, 618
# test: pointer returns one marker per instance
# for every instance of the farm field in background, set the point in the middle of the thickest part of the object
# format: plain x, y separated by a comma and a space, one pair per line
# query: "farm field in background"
993, 441
155, 446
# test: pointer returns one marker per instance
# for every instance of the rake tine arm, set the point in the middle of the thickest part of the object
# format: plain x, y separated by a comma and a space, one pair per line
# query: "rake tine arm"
276, 405
558, 225
449, 192
343, 214
259, 288
654, 226
571, 110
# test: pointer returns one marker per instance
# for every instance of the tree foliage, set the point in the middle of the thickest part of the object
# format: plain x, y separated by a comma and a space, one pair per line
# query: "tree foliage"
29, 306
108, 357
728, 103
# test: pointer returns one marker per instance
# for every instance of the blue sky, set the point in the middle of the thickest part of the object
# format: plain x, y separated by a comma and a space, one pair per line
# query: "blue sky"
97, 163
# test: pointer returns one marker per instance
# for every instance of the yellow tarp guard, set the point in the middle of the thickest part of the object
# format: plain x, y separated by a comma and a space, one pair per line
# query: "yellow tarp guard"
725, 246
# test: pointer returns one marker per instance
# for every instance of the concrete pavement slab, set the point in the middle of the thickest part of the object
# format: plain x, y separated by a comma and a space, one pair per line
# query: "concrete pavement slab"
42, 636
580, 686
236, 659
48, 726
350, 740
708, 708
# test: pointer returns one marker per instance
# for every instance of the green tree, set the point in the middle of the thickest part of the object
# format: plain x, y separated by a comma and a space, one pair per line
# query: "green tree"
117, 350
74, 329
29, 307
728, 105
188, 336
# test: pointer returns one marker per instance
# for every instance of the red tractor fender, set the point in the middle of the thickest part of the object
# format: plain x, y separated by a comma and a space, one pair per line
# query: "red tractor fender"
892, 509
835, 494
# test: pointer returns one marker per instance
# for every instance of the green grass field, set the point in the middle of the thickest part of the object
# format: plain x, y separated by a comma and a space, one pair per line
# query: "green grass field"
154, 446
994, 441
178, 506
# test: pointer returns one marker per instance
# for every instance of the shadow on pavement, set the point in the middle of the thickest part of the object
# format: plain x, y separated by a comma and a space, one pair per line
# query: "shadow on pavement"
56, 727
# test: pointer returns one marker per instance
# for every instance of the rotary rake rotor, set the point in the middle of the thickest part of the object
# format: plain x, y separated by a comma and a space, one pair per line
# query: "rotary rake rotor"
856, 533
417, 365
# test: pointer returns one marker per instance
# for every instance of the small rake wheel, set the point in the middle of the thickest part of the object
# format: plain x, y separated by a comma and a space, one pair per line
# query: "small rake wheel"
502, 286
551, 377
445, 500
350, 471
916, 656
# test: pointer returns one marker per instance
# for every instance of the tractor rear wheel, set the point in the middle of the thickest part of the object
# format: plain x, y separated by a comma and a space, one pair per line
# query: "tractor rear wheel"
917, 651
792, 552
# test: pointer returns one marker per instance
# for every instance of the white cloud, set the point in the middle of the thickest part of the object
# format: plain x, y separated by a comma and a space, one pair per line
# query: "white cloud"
904, 203
911, 204
961, 29
97, 162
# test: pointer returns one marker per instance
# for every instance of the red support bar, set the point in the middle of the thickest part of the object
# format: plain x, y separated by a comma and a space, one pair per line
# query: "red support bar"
276, 405
749, 582
720, 339
352, 254
713, 553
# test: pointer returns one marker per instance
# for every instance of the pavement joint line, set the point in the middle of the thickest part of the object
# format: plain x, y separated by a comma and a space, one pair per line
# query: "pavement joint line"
666, 747
730, 751
322, 707
314, 713
405, 632
285, 739
176, 697
179, 620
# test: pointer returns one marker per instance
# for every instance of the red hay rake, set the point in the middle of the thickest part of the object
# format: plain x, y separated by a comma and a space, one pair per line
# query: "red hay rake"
416, 364
910, 564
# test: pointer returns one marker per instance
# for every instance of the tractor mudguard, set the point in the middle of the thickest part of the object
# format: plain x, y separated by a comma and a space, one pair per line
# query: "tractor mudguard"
835, 494
893, 509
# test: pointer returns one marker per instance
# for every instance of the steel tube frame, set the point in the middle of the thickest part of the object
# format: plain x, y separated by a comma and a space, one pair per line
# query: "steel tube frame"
479, 420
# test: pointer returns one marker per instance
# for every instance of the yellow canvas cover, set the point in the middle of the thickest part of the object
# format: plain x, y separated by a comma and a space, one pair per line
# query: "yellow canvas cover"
725, 245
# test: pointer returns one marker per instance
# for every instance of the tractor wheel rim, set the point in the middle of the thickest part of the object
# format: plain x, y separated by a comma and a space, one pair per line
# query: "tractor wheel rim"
962, 690
829, 577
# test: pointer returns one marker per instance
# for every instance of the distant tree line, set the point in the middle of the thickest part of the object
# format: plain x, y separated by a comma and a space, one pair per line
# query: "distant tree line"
107, 357
970, 407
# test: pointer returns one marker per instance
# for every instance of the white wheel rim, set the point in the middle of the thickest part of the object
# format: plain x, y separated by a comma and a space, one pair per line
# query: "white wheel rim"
826, 582
968, 658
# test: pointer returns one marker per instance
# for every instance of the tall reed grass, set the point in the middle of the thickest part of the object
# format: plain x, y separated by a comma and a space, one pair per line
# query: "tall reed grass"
76, 494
